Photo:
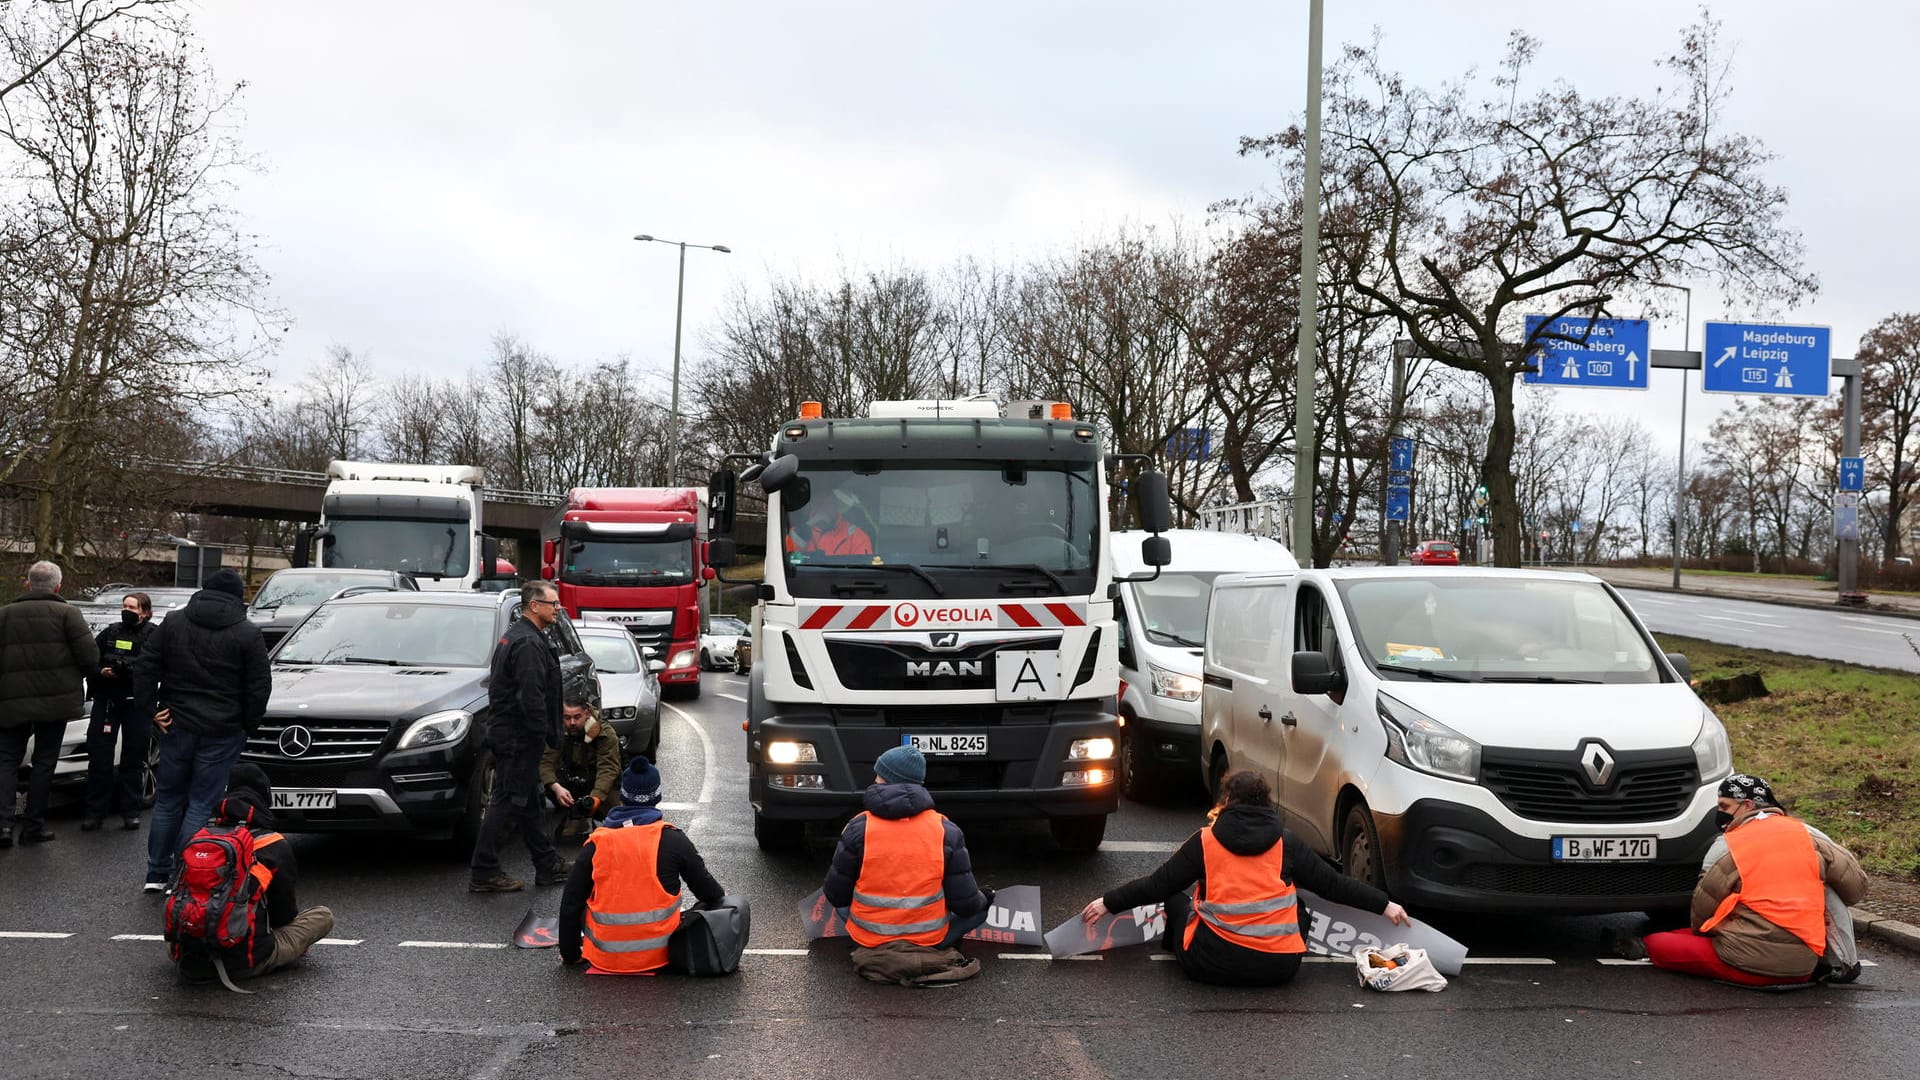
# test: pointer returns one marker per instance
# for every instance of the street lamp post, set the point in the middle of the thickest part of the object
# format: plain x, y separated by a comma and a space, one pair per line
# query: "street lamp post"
679, 305
1680, 481
1303, 438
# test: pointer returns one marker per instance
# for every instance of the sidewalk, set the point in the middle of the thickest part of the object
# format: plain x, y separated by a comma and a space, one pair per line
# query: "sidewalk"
1798, 592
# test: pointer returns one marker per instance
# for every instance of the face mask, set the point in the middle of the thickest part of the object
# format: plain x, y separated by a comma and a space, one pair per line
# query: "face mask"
129, 619
1722, 819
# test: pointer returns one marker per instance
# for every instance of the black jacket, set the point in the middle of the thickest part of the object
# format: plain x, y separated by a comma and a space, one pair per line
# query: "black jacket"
118, 646
1243, 830
523, 691
893, 802
208, 663
46, 653
679, 861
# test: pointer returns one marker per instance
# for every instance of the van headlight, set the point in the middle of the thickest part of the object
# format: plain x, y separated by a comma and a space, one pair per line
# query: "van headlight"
1418, 741
1712, 750
436, 729
1172, 684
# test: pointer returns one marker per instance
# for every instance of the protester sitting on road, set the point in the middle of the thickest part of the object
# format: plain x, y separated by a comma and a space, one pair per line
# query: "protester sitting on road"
282, 931
117, 719
623, 893
581, 776
1760, 911
46, 653
1244, 924
902, 872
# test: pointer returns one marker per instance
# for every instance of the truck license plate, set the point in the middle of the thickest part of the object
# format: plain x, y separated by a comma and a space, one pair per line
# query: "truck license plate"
947, 745
1605, 848
298, 799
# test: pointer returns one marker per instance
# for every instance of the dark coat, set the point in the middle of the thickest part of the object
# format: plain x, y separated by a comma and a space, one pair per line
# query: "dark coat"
893, 802
523, 691
118, 647
208, 664
1243, 830
46, 654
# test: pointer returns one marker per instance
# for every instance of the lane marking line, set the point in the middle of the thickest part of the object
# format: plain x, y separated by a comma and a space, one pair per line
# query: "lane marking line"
1875, 630
452, 945
706, 751
732, 697
1161, 956
679, 806
776, 952
1746, 622
139, 937
1536, 961
340, 941
1031, 956
1615, 961
50, 935
1157, 846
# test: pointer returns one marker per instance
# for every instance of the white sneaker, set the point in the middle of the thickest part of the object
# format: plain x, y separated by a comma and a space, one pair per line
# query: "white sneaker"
154, 886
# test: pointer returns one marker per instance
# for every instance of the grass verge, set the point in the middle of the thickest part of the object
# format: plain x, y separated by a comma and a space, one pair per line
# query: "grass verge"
1840, 745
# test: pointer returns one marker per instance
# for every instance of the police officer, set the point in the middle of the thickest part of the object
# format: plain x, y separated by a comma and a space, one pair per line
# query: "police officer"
523, 701
117, 716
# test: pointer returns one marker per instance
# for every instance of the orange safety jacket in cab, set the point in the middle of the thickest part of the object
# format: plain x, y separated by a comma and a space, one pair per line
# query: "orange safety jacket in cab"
1779, 879
629, 915
901, 894
1244, 899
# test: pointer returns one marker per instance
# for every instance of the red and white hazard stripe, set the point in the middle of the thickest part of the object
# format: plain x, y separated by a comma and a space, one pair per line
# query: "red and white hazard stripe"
1028, 616
943, 615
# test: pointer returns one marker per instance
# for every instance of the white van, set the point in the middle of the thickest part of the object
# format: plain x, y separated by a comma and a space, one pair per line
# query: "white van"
1468, 738
1162, 626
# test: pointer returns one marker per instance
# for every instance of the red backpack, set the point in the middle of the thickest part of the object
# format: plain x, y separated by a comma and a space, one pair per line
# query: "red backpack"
216, 908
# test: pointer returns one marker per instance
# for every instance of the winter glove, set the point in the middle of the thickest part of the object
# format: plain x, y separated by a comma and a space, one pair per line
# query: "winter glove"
586, 806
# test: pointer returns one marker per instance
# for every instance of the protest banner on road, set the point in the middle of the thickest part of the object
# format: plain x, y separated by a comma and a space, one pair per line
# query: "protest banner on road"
1014, 918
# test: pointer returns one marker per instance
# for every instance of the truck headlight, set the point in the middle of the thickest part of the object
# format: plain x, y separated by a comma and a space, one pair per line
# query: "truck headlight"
683, 659
436, 729
783, 752
1090, 749
1173, 684
1712, 750
1418, 741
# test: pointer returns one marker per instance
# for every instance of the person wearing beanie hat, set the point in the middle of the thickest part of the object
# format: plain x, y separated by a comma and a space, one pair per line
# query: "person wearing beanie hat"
635, 863
899, 848
203, 677
1763, 912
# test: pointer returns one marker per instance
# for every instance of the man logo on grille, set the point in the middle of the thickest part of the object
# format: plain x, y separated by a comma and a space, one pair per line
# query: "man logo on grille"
295, 741
1598, 764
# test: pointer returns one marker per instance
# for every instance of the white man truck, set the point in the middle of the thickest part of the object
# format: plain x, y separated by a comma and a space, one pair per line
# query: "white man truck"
423, 520
938, 575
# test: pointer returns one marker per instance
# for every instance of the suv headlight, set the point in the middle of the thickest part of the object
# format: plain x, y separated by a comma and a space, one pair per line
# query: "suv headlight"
1712, 750
1172, 684
436, 729
1418, 741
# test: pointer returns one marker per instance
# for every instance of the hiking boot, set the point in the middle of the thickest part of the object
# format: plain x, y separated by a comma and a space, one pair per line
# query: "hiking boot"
130, 823
37, 836
89, 824
499, 882
554, 873
6, 838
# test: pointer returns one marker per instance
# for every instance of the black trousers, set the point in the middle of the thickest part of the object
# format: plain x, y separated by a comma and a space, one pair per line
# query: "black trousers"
125, 724
513, 806
46, 756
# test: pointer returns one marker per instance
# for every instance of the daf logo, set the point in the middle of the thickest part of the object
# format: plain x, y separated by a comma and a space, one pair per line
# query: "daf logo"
295, 741
946, 639
933, 669
1598, 764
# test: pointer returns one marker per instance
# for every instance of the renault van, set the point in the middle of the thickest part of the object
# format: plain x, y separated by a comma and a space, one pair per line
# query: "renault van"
1476, 739
1163, 625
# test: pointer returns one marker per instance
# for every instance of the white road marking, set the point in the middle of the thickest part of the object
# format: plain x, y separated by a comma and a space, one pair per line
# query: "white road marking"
1876, 630
1161, 956
1746, 622
1318, 959
708, 760
452, 945
1536, 961
679, 806
138, 937
733, 697
339, 941
776, 952
1615, 961
1163, 846
33, 934
1033, 956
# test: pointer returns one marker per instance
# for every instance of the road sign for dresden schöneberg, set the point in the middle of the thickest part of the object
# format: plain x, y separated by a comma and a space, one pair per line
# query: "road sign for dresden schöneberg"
1608, 353
1761, 358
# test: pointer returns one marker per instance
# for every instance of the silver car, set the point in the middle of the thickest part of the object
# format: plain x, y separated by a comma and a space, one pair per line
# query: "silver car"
629, 684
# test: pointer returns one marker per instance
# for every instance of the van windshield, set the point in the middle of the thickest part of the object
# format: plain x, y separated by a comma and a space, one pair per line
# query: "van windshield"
1496, 629
1173, 608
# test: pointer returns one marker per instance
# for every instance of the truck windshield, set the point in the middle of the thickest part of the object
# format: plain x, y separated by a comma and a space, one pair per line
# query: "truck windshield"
976, 528
408, 634
627, 562
438, 549
1173, 608
1496, 629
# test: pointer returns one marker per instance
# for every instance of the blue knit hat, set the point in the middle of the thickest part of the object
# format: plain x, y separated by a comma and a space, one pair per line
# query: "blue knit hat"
902, 765
640, 784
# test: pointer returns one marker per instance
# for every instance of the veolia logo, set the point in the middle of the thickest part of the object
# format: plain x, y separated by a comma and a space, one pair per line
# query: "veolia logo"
905, 614
909, 614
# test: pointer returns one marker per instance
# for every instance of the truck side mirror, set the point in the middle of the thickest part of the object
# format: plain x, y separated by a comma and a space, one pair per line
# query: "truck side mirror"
302, 554
779, 473
1156, 507
721, 487
1313, 673
489, 558
549, 558
719, 553
1156, 551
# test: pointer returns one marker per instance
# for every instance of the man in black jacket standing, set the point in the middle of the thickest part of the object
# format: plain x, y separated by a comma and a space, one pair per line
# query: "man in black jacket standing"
204, 679
45, 655
117, 719
523, 709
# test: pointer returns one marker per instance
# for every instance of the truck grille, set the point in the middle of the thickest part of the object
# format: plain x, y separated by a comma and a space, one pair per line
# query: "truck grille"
326, 741
883, 665
1649, 786
1576, 879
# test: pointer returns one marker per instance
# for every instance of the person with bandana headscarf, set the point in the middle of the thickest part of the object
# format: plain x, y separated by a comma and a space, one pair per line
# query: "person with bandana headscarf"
1761, 911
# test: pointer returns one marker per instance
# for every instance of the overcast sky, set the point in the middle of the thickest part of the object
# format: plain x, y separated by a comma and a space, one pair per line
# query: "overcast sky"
438, 172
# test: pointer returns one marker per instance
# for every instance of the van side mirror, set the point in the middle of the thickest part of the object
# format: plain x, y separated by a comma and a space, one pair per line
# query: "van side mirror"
1313, 673
1681, 666
1156, 551
721, 488
1156, 505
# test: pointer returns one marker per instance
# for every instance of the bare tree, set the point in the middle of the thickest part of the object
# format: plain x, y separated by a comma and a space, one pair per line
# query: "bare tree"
338, 396
1890, 402
35, 33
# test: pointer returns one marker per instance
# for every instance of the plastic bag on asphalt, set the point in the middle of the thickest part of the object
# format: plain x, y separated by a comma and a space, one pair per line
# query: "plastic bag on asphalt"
1397, 967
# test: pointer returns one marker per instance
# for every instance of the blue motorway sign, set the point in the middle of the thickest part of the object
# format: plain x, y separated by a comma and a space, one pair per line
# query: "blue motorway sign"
1400, 454
1608, 353
1399, 504
1191, 444
1399, 479
1853, 474
1761, 358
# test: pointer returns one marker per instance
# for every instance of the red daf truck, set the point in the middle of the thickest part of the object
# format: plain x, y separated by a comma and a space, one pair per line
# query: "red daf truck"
637, 557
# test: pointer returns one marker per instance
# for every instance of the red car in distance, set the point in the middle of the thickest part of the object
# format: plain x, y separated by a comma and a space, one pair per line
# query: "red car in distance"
1434, 553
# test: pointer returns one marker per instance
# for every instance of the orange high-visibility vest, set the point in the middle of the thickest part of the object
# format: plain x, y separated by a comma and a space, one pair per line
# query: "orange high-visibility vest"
1245, 900
629, 915
1779, 879
901, 894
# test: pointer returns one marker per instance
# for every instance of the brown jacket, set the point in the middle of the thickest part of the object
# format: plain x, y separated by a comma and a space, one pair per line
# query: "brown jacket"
1751, 943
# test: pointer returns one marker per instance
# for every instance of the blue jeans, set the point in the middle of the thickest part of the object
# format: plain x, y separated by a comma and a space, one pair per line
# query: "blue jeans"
190, 779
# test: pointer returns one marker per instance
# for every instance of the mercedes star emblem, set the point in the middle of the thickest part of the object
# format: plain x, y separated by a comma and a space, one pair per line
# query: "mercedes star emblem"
295, 741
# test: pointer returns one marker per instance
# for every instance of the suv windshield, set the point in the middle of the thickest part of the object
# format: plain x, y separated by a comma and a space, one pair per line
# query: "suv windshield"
615, 655
1497, 629
1173, 608
427, 548
308, 590
407, 634
960, 529
627, 562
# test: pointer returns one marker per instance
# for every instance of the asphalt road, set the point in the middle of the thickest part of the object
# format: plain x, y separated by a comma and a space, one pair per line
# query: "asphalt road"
418, 981
1854, 637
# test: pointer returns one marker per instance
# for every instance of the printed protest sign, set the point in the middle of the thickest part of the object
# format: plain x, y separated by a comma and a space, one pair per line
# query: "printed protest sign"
537, 933
1114, 930
1014, 918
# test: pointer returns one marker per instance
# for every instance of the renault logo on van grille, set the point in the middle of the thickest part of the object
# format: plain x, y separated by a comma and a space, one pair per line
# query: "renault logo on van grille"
1597, 763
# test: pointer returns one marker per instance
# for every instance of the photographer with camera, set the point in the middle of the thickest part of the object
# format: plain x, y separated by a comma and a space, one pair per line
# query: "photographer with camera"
581, 777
